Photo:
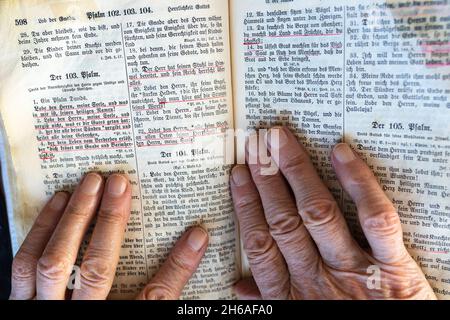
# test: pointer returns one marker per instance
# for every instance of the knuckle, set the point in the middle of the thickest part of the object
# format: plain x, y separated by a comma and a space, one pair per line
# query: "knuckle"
40, 226
53, 268
78, 209
180, 262
276, 291
362, 179
406, 282
96, 272
157, 291
23, 267
265, 179
284, 222
112, 216
295, 163
258, 244
318, 212
385, 222
246, 203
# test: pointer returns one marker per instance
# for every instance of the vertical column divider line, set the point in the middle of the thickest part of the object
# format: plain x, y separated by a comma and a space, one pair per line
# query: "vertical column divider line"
343, 87
343, 98
135, 151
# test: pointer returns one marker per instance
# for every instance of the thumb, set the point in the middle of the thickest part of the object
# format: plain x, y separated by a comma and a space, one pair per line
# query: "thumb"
183, 260
246, 289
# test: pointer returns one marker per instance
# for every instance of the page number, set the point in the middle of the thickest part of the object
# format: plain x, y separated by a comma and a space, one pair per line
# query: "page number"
21, 22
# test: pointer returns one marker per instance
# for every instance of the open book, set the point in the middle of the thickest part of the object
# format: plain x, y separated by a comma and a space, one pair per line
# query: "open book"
148, 88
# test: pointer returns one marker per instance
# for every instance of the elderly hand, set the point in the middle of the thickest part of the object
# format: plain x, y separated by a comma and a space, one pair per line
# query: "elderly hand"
44, 263
297, 241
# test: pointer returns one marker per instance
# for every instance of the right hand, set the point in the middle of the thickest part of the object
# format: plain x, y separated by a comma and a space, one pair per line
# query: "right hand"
296, 238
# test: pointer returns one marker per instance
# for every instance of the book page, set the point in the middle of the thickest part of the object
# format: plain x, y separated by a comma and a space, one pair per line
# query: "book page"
373, 74
135, 87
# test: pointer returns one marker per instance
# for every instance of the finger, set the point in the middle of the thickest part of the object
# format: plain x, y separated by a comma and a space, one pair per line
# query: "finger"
379, 219
246, 289
285, 224
102, 255
266, 262
176, 271
23, 280
316, 205
56, 264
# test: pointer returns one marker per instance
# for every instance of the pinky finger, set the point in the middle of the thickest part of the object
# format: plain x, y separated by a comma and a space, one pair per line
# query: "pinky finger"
23, 280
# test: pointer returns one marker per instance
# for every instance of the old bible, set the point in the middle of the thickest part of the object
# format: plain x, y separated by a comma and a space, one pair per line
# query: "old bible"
149, 88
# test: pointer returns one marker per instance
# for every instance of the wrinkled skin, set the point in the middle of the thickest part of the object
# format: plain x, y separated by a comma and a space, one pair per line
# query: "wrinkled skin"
42, 266
296, 238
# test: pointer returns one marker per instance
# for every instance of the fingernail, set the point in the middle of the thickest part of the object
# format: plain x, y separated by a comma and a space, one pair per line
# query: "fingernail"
91, 184
59, 201
277, 137
197, 238
117, 185
343, 153
240, 175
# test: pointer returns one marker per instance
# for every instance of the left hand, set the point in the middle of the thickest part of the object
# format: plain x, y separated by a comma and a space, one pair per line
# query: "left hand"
43, 265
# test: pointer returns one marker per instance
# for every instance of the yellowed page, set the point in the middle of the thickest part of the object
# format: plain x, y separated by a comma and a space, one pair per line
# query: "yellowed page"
137, 87
374, 74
